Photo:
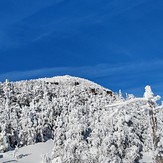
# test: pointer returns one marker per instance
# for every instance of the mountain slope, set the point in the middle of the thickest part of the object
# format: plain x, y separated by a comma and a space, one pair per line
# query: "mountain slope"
87, 122
29, 108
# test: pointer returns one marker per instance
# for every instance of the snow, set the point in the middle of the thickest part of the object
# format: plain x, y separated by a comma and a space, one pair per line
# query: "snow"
125, 103
147, 157
32, 154
148, 92
87, 122
28, 154
67, 80
127, 118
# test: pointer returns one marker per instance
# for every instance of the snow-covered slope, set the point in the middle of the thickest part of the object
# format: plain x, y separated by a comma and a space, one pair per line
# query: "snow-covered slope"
34, 154
29, 109
87, 122
28, 154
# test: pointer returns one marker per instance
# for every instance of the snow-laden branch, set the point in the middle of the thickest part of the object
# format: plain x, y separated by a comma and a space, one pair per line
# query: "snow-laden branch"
133, 101
112, 114
158, 107
125, 103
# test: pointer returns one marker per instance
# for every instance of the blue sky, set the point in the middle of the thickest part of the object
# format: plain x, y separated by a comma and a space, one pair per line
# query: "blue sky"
118, 44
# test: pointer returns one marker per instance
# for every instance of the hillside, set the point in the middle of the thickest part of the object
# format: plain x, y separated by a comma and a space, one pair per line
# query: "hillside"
87, 122
29, 109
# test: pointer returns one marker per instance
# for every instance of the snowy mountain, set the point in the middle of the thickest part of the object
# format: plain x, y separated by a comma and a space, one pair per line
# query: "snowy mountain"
29, 109
87, 122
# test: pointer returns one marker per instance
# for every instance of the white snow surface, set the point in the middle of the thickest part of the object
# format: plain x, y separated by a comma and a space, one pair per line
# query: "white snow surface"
28, 154
147, 157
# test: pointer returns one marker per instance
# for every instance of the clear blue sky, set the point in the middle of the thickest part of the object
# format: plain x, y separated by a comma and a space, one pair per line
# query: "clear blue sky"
118, 44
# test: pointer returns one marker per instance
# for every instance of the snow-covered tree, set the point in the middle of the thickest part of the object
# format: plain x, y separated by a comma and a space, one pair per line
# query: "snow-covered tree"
152, 109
